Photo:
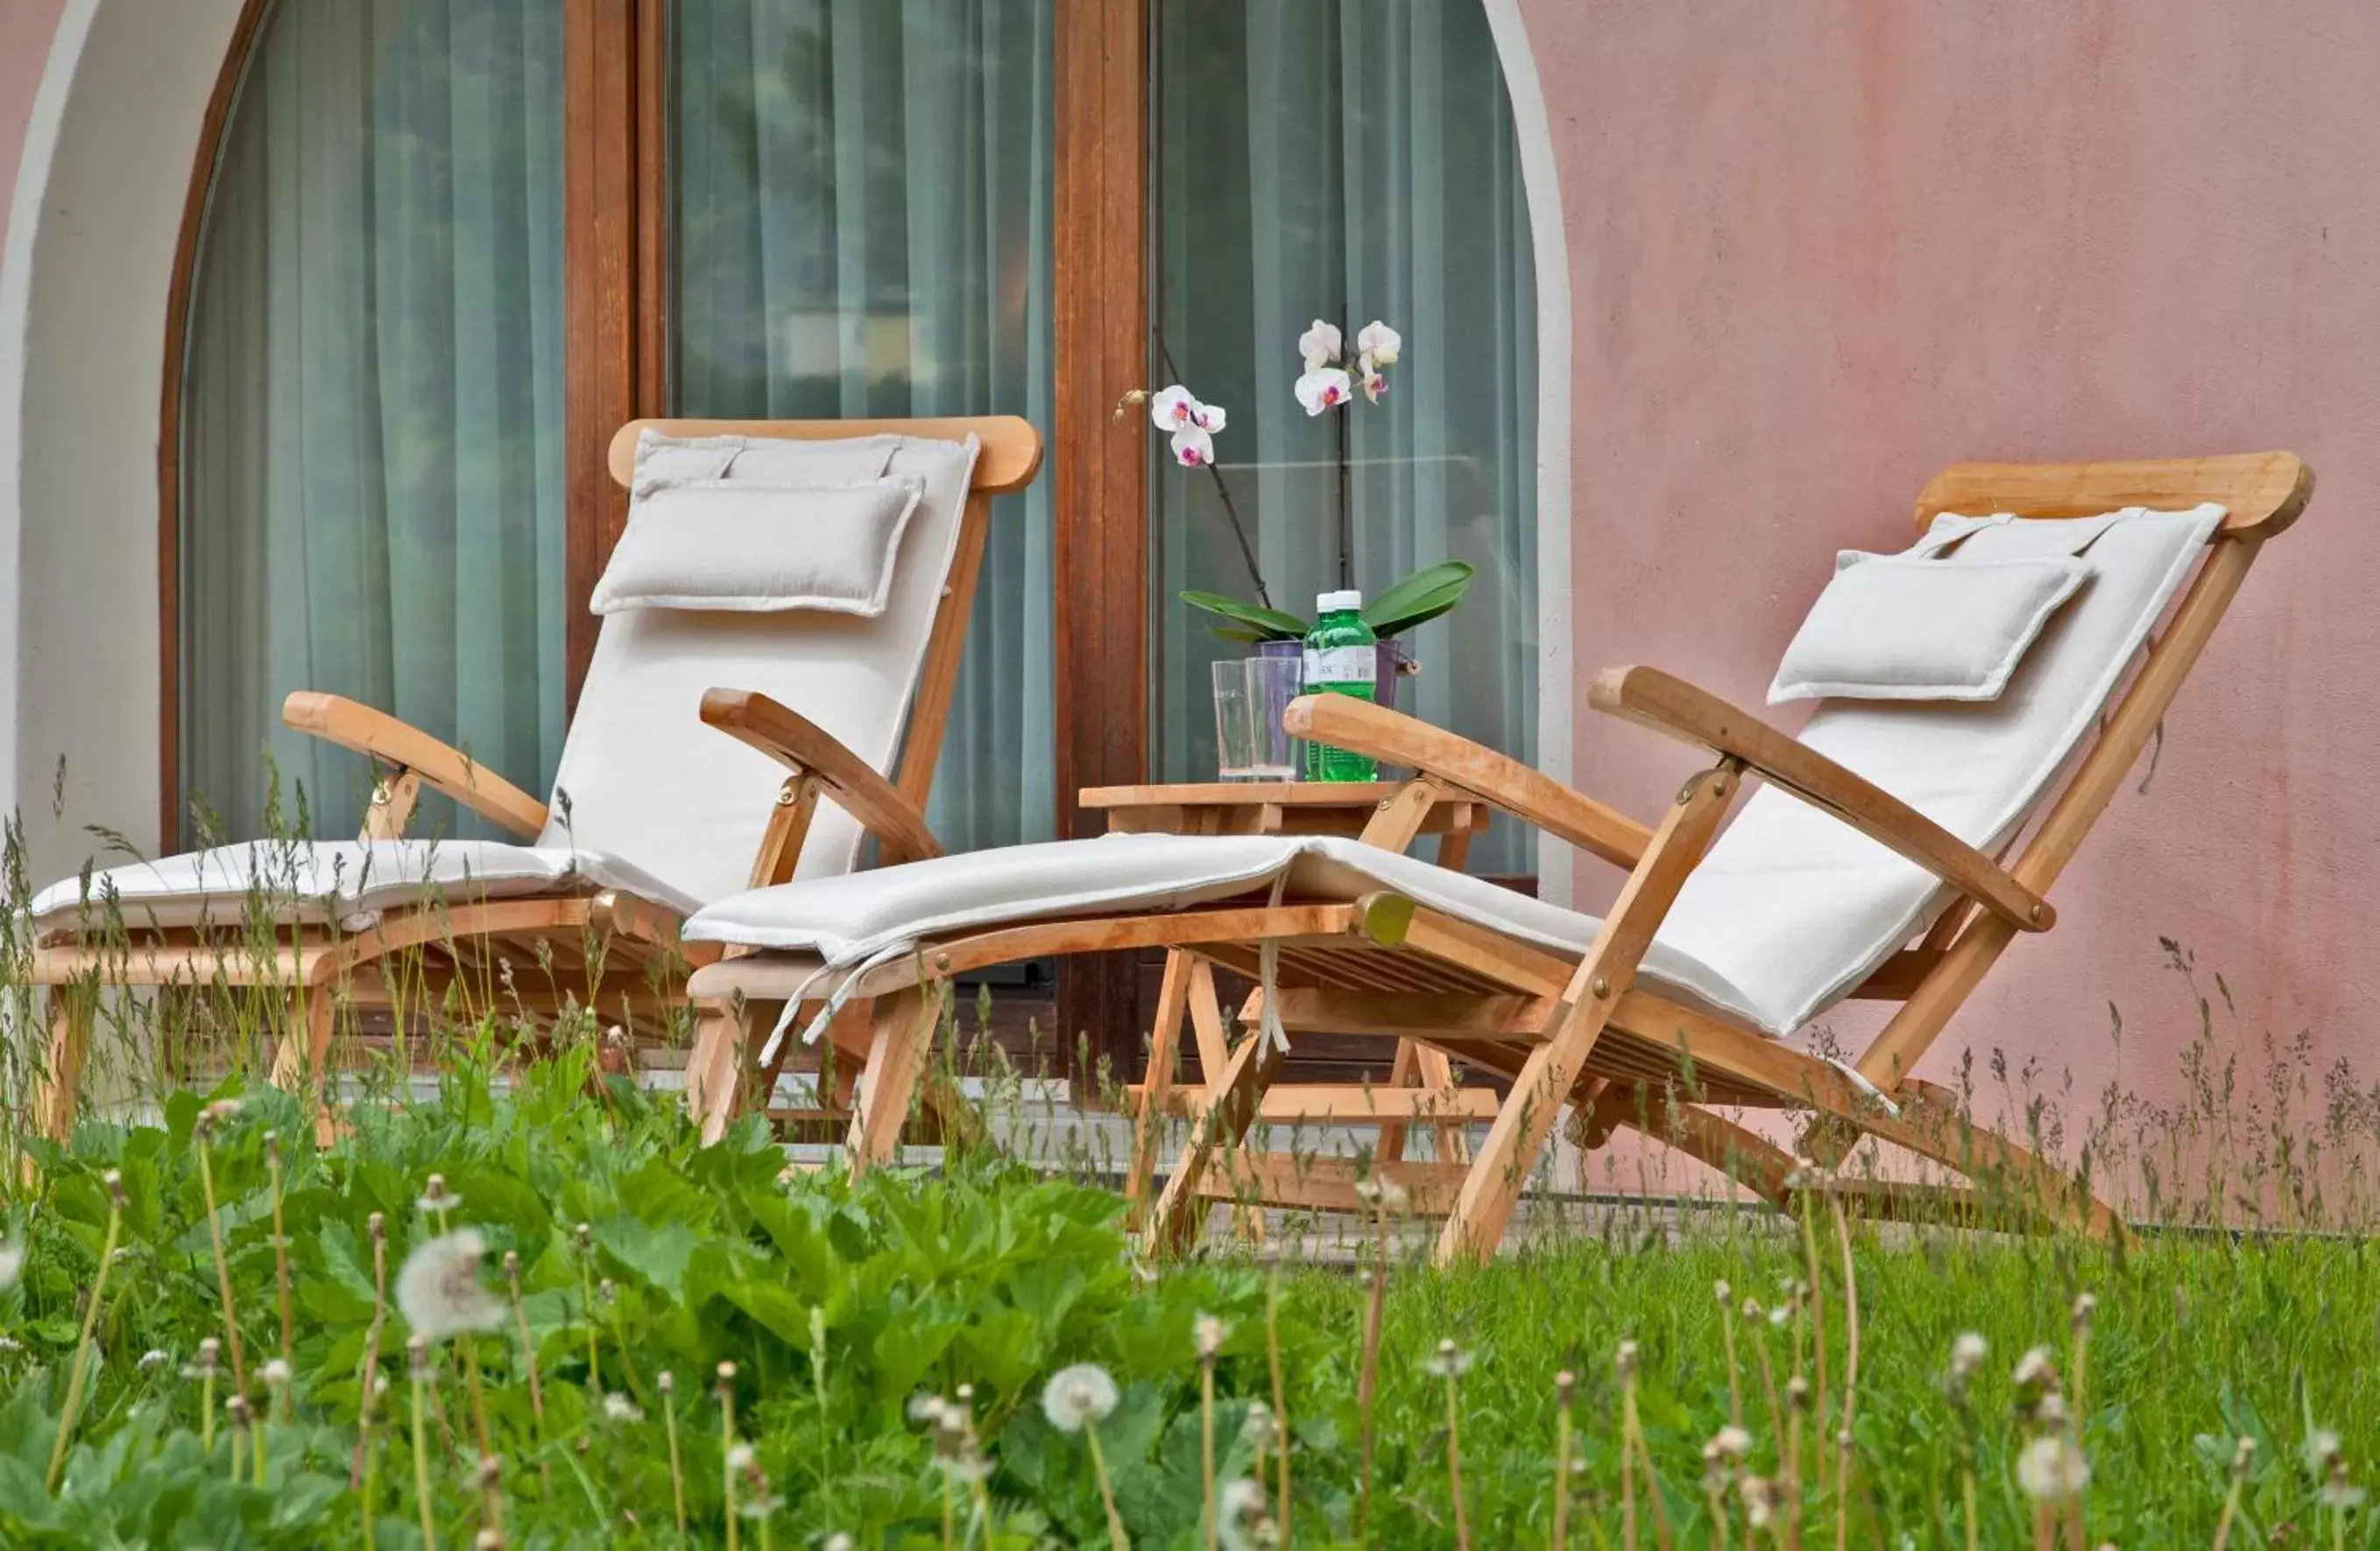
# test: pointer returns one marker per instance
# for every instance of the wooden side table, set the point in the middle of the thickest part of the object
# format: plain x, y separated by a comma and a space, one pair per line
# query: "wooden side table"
1391, 814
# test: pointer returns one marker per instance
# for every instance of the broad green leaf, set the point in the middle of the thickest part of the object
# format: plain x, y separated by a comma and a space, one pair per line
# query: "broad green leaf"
1422, 597
1269, 624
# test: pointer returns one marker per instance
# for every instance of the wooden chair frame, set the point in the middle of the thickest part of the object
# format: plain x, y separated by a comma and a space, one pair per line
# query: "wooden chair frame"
1581, 1030
612, 949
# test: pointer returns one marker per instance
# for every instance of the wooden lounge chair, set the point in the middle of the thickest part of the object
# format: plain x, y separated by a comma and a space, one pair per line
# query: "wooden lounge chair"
653, 813
1680, 1001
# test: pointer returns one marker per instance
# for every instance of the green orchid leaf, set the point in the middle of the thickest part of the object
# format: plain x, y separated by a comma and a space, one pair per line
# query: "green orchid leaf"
1422, 597
1271, 624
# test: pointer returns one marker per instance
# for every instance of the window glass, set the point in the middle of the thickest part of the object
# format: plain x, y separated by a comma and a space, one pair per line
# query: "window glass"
372, 452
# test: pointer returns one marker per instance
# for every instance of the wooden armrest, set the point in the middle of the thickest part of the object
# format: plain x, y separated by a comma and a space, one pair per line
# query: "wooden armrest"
1344, 722
1670, 705
375, 734
806, 748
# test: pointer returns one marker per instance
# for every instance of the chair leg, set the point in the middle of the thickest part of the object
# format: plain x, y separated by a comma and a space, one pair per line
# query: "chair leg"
901, 1034
1936, 1127
57, 1094
1232, 1103
1493, 1189
1157, 1083
303, 1054
714, 1066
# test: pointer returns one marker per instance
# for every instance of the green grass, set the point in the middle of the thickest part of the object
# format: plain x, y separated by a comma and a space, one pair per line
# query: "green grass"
840, 1305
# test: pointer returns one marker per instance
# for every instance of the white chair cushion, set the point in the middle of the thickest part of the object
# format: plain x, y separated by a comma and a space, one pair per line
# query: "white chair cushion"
1795, 907
643, 780
746, 547
777, 460
844, 922
350, 882
1916, 627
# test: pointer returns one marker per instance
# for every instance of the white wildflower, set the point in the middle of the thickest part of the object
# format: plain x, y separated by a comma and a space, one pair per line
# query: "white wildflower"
2338, 1494
837, 1541
1378, 345
619, 1408
153, 1358
2051, 1470
1449, 1362
1172, 408
1080, 1395
1208, 1332
1323, 389
928, 1410
2321, 1449
1724, 1293
1320, 344
1759, 1501
438, 1288
1241, 1521
9, 1344
274, 1374
1385, 1194
436, 1198
1967, 1354
1256, 1429
1625, 1360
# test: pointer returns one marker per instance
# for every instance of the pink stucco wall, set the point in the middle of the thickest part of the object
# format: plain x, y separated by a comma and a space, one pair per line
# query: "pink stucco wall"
1819, 250
26, 27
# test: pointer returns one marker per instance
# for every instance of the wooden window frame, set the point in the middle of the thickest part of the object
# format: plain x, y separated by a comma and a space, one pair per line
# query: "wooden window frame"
615, 346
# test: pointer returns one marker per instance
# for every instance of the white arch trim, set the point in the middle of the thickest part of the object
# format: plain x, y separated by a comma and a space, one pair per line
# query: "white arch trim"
1533, 132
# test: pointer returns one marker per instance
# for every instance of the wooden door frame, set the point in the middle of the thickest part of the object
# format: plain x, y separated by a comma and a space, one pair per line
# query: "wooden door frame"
1100, 545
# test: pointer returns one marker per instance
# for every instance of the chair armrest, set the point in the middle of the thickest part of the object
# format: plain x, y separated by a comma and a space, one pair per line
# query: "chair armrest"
1344, 722
805, 747
1670, 705
375, 734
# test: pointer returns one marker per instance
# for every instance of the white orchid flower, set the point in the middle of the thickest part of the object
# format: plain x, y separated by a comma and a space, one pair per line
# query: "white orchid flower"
1375, 385
1320, 345
1208, 417
1324, 388
1172, 408
1194, 447
1379, 343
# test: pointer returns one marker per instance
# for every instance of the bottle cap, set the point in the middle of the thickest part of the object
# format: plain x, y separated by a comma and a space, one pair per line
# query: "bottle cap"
1339, 602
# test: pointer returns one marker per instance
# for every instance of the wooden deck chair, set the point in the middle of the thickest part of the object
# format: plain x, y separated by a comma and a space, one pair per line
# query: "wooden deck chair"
652, 813
1864, 866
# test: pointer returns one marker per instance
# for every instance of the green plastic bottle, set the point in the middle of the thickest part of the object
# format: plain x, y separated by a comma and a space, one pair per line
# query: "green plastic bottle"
1341, 658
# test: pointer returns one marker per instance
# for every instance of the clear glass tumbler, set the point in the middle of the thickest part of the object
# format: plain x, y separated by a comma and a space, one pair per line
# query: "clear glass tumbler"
1235, 722
1273, 683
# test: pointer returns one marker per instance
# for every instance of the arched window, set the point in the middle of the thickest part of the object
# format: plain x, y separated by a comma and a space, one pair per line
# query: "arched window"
371, 480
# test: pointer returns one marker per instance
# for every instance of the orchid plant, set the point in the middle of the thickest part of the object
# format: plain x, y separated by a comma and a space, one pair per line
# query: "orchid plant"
1327, 384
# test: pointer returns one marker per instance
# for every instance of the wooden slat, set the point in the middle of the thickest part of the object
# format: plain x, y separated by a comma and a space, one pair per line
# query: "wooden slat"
1337, 1103
1327, 1184
2264, 492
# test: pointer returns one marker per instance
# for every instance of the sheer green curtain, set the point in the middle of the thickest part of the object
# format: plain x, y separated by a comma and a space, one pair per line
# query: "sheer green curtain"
1348, 160
862, 192
372, 454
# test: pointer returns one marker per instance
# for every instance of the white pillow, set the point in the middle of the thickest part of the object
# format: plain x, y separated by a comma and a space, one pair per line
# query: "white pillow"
1914, 627
660, 457
745, 547
776, 460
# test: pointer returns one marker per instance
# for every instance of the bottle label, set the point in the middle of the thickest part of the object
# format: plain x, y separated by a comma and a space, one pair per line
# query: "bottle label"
1342, 665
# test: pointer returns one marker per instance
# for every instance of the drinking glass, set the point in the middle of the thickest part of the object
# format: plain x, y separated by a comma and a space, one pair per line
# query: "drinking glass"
1235, 722
1273, 683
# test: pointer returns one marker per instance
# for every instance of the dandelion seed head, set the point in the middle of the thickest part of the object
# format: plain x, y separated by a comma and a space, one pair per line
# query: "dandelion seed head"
274, 1374
1449, 1362
1781, 1316
927, 1410
2338, 1494
1625, 1360
837, 1541
153, 1358
2051, 1470
491, 1470
436, 1198
1731, 1442
10, 1343
1724, 1293
741, 1458
666, 1383
1386, 1195
1241, 1521
489, 1539
1258, 1429
2321, 1449
1759, 1501
2035, 1367
1565, 1384
438, 1288
377, 1226
1967, 1356
619, 1408
114, 1181
418, 1351
1083, 1395
1208, 1333
2245, 1451
1797, 1393
726, 1373
2051, 1410
2086, 1305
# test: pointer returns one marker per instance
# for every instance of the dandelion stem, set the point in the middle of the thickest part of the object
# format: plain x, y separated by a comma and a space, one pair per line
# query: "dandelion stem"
1817, 1320
1279, 1397
726, 1391
207, 1411
1734, 1381
677, 1468
281, 1278
586, 1300
528, 1366
1117, 1540
256, 1420
421, 1367
1967, 1502
223, 1266
1563, 1388
1627, 1447
1207, 1445
82, 1371
1367, 1383
1454, 1457
2240, 1457
1850, 1377
367, 1497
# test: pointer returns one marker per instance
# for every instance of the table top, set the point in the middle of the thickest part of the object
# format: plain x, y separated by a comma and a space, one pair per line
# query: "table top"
1248, 794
